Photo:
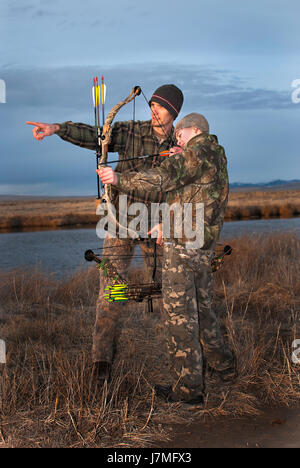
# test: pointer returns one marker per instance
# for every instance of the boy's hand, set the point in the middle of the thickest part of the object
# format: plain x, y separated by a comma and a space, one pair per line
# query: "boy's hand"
158, 229
175, 150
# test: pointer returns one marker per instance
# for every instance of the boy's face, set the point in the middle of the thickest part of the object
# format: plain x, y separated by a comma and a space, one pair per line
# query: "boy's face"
185, 134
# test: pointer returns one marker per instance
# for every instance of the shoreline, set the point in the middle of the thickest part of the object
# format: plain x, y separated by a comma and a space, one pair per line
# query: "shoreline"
28, 214
272, 427
62, 227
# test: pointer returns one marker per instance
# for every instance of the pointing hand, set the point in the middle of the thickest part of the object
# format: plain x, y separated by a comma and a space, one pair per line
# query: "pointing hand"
41, 129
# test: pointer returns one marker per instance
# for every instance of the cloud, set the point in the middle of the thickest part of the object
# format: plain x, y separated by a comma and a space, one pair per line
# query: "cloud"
70, 87
55, 94
32, 9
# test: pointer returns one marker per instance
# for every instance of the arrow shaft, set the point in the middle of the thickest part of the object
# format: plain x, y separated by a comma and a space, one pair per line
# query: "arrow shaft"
162, 154
96, 99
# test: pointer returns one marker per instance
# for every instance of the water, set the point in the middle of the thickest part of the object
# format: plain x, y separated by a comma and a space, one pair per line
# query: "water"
259, 226
61, 252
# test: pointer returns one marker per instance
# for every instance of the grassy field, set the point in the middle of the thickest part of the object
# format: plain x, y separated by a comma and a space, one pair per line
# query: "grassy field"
263, 204
35, 213
47, 394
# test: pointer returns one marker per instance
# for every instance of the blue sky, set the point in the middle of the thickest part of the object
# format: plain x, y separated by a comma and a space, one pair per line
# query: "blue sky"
235, 63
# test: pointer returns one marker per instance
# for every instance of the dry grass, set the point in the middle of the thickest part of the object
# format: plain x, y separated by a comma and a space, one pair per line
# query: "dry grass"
263, 204
47, 394
50, 213
61, 212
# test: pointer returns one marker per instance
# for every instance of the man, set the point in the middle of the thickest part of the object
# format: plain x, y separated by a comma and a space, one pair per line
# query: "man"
130, 139
196, 173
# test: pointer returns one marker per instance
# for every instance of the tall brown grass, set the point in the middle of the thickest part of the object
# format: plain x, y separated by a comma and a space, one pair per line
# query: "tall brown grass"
48, 397
263, 204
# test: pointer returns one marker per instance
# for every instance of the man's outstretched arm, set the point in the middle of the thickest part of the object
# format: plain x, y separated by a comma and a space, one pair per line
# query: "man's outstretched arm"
79, 134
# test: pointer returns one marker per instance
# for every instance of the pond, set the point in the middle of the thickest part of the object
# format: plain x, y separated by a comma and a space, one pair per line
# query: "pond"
61, 252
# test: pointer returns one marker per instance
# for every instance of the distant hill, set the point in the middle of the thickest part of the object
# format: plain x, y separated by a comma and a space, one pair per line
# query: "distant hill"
273, 185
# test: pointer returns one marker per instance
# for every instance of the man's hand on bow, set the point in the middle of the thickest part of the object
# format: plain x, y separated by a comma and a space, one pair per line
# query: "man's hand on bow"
41, 129
107, 175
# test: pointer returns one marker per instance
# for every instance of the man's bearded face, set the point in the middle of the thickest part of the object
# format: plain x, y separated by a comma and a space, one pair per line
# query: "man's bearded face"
159, 115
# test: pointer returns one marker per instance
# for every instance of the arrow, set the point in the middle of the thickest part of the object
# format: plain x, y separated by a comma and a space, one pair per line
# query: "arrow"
103, 97
116, 293
96, 93
96, 102
98, 105
163, 153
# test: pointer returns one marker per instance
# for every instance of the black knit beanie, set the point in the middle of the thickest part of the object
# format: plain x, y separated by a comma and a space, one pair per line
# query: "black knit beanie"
170, 97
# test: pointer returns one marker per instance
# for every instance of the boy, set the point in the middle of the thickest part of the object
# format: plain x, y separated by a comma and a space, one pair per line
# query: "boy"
195, 173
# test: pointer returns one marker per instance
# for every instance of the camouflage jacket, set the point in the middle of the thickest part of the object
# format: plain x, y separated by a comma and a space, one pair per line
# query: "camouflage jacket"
196, 175
130, 139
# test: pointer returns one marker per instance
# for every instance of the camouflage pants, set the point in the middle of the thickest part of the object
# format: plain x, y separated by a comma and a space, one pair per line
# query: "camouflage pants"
107, 313
192, 326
